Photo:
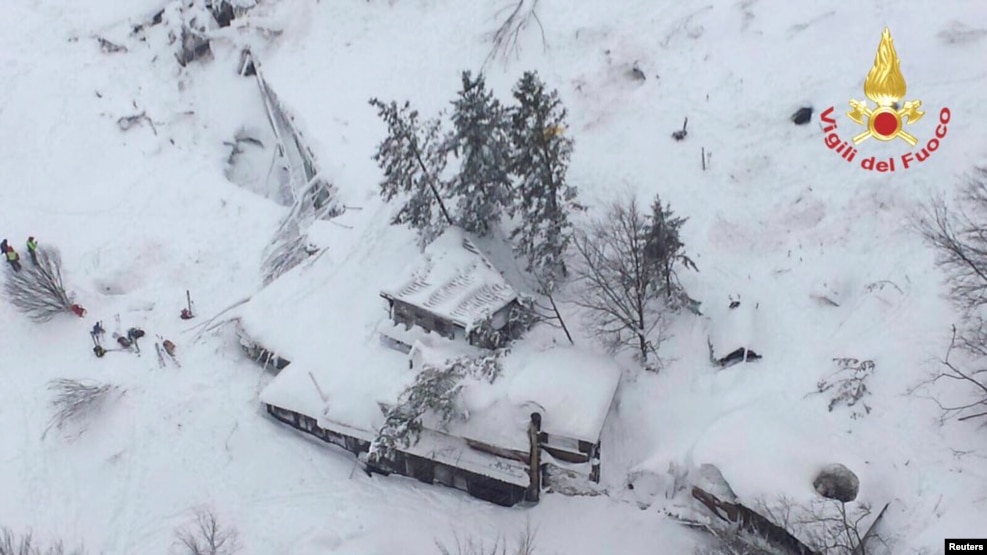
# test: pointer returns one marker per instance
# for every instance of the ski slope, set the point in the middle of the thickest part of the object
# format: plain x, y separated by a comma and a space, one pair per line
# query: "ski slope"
142, 215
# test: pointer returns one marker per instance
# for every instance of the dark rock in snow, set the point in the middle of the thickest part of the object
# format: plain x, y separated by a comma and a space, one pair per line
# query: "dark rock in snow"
802, 116
837, 482
223, 13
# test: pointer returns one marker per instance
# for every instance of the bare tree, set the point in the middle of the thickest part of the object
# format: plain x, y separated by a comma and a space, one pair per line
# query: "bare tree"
75, 402
38, 290
525, 545
11, 544
960, 239
207, 536
505, 38
827, 526
622, 290
975, 404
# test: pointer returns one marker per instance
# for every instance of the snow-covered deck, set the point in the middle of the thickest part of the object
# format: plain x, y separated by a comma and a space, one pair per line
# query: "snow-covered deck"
454, 282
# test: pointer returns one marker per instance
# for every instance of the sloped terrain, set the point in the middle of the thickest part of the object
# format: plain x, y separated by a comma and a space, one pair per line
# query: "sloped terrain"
142, 215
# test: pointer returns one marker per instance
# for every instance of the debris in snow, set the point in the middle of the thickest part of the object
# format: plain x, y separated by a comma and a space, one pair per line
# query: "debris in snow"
735, 516
709, 478
636, 73
849, 384
108, 47
837, 482
824, 300
194, 46
155, 19
681, 133
958, 33
187, 313
157, 349
802, 116
126, 122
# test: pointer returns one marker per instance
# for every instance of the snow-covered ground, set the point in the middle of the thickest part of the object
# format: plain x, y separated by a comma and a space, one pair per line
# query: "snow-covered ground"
140, 216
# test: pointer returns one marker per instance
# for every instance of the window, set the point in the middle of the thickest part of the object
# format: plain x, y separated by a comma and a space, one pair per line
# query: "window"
565, 443
459, 482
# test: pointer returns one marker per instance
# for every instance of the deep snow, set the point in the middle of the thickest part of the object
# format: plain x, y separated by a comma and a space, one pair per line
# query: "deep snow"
141, 216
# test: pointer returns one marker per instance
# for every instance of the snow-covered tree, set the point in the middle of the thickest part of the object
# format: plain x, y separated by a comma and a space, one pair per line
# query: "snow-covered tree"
481, 142
621, 288
520, 318
664, 248
543, 199
412, 156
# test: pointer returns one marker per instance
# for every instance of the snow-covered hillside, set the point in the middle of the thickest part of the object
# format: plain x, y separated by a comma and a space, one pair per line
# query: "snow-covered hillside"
143, 215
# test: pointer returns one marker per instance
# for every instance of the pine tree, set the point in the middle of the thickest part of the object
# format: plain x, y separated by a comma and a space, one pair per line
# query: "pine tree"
664, 248
481, 142
543, 199
413, 156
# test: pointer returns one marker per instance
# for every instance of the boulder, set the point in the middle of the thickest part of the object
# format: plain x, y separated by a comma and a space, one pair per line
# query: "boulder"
837, 482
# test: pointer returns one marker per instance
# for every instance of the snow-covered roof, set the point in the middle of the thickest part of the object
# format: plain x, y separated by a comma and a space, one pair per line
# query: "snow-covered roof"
455, 452
332, 336
455, 282
570, 388
733, 328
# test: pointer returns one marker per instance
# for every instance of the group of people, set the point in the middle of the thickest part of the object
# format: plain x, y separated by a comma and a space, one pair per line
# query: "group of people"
14, 259
133, 334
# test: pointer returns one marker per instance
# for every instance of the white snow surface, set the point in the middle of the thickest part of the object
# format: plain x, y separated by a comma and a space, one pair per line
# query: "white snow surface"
734, 328
455, 281
143, 215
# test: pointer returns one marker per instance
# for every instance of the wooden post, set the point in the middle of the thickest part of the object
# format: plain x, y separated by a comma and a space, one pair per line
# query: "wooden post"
703, 151
534, 458
594, 473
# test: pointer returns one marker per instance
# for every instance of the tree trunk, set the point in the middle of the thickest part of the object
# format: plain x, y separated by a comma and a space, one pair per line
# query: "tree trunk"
561, 321
431, 185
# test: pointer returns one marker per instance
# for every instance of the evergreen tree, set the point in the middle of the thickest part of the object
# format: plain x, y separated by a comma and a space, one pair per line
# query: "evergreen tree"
412, 157
543, 199
481, 142
664, 248
435, 390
